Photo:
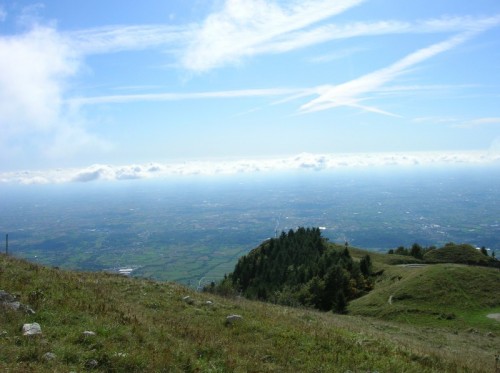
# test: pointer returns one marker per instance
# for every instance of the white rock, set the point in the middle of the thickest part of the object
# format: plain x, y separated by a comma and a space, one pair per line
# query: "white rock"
14, 305
233, 318
32, 329
188, 299
49, 356
88, 333
91, 364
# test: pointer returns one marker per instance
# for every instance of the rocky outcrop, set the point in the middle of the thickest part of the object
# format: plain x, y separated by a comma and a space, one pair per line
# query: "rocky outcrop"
8, 300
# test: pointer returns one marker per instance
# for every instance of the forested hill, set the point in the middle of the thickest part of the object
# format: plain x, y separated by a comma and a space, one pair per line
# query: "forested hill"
300, 268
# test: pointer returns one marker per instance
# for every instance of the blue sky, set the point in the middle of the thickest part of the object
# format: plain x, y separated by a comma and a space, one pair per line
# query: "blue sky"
122, 83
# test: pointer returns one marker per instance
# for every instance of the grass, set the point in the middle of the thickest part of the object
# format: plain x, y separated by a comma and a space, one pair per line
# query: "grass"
452, 253
382, 260
443, 295
143, 325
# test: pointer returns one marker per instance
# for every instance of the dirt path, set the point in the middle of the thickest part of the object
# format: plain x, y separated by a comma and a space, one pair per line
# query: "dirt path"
494, 316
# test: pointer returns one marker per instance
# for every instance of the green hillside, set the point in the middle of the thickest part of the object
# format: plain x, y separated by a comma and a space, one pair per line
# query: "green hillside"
452, 295
142, 325
300, 268
453, 253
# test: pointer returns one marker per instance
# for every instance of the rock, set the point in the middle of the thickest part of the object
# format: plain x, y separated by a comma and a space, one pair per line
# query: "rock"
9, 301
209, 303
88, 333
490, 334
32, 329
91, 364
6, 297
188, 299
232, 319
48, 356
13, 305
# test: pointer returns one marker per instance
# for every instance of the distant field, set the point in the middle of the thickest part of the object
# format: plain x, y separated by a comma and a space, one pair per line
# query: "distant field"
193, 230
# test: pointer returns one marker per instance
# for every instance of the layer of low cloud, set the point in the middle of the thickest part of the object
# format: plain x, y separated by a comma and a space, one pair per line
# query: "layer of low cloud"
304, 161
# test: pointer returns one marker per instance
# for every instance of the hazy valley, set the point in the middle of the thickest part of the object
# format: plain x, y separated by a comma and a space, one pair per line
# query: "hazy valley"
195, 228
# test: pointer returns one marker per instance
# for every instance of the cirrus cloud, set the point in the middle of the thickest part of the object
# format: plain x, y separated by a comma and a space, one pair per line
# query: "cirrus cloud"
242, 27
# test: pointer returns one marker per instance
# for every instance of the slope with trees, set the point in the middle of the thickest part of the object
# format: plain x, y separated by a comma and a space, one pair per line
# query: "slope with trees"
301, 268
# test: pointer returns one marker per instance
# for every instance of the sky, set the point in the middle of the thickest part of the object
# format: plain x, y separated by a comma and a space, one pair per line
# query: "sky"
94, 89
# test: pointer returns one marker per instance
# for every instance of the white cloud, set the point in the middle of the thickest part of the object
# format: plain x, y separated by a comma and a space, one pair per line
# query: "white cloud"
489, 121
241, 27
304, 161
183, 96
244, 28
111, 39
352, 92
35, 72
322, 34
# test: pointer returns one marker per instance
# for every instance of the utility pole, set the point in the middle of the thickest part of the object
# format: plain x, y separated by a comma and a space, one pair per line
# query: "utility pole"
7, 244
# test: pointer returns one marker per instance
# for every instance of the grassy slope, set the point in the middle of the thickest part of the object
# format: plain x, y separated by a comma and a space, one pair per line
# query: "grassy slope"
457, 254
444, 304
432, 293
143, 325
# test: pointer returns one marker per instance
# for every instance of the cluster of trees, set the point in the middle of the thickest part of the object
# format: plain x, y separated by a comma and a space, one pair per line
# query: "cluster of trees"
300, 268
415, 250
484, 251
450, 253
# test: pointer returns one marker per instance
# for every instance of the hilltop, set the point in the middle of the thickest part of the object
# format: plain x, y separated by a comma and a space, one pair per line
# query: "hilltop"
427, 294
465, 254
143, 325
300, 268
